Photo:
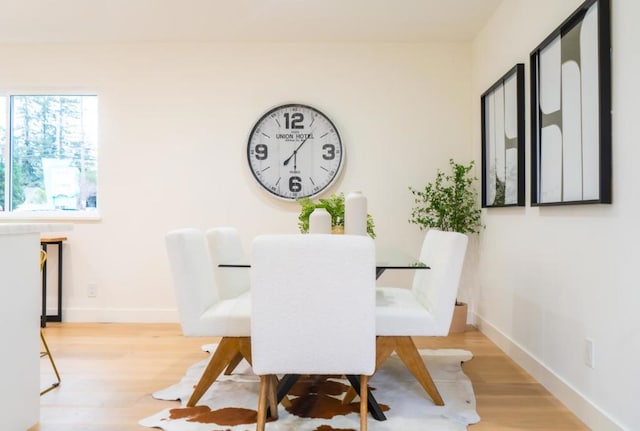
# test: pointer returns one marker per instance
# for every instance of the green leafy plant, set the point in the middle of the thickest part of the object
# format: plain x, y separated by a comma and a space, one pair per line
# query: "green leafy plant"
334, 205
450, 203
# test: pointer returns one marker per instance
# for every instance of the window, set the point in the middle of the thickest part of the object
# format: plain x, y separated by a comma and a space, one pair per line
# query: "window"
48, 154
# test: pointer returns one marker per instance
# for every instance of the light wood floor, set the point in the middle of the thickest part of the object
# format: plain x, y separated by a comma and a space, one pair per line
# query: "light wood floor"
109, 371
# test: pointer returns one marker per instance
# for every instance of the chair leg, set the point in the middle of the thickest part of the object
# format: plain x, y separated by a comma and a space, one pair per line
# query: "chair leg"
283, 386
372, 404
47, 352
364, 411
226, 351
265, 391
349, 395
285, 401
408, 352
384, 348
272, 397
233, 364
262, 403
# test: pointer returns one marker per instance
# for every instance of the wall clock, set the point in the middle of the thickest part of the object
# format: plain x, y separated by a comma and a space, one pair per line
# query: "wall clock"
295, 151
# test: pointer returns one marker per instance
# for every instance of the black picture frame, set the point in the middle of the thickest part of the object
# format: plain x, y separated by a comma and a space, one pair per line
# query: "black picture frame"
503, 130
571, 110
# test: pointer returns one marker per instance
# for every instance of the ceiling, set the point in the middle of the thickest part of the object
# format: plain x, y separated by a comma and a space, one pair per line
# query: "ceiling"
52, 21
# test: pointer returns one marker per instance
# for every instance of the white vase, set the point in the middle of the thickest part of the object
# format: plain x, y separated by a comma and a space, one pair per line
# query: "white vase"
355, 214
320, 221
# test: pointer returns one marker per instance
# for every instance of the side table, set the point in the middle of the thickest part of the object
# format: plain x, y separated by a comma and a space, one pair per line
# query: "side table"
44, 317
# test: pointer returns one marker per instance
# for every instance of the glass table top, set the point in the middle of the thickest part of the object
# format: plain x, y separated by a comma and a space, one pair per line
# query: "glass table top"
385, 259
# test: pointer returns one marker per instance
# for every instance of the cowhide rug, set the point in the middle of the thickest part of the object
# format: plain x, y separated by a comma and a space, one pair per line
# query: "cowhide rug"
231, 402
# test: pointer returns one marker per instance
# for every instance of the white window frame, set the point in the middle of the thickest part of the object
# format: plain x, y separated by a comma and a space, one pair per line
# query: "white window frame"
46, 215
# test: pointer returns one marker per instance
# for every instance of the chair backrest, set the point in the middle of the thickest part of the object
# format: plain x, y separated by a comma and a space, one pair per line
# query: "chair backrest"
436, 288
193, 279
225, 246
313, 304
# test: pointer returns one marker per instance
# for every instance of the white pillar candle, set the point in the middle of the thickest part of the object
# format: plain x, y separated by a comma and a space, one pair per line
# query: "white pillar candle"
320, 221
355, 214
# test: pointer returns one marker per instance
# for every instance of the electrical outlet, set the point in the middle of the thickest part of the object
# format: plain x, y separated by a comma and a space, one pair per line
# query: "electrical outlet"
589, 353
92, 290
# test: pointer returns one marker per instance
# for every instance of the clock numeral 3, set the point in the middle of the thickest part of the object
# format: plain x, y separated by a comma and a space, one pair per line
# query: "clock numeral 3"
262, 152
295, 184
293, 121
331, 152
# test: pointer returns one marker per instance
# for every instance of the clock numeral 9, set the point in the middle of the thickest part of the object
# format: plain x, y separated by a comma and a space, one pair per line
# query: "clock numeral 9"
293, 121
262, 152
295, 184
331, 152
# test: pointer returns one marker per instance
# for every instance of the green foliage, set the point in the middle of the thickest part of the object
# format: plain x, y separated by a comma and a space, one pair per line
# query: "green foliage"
334, 205
91, 176
449, 203
500, 192
39, 196
17, 189
49, 127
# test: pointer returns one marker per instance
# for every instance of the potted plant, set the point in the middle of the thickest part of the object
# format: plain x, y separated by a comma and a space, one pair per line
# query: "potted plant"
450, 203
334, 205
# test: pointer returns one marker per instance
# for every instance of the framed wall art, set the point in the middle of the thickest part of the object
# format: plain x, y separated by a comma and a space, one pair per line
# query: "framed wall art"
502, 116
571, 110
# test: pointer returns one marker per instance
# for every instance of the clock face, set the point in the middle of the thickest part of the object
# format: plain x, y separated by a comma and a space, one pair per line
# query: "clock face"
295, 151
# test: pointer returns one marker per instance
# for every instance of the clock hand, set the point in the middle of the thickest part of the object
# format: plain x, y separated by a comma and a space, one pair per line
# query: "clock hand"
286, 162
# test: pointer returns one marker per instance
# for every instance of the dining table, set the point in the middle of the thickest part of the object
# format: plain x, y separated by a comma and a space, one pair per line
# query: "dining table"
386, 258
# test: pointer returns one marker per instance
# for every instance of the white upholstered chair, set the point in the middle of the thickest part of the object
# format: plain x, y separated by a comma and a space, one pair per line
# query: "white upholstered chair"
225, 246
203, 309
313, 310
424, 310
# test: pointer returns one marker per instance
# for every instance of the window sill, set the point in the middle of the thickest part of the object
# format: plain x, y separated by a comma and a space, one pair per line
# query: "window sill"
50, 215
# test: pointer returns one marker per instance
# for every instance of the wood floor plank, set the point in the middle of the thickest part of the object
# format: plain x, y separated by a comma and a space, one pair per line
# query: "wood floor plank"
109, 371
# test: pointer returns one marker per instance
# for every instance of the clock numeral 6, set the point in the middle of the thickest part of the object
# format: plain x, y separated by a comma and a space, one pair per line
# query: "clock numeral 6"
295, 184
262, 152
331, 152
293, 121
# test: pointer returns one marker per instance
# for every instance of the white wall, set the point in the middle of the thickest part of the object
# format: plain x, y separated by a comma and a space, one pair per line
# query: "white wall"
551, 277
174, 119
174, 122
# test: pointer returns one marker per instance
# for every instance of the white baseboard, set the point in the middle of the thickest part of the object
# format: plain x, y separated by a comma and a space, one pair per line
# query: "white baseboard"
594, 417
120, 315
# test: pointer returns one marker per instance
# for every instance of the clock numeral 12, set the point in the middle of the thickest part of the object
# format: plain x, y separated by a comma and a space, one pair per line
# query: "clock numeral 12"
293, 121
